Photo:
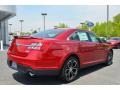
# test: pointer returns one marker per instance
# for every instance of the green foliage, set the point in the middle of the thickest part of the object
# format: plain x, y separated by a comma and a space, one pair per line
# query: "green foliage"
116, 18
83, 26
103, 29
61, 25
100, 29
113, 29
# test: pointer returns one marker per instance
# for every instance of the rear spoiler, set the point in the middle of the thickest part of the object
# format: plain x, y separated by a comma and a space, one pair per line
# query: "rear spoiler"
22, 36
26, 37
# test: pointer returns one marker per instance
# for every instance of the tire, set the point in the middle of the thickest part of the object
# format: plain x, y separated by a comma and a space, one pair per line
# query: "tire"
109, 60
70, 69
118, 47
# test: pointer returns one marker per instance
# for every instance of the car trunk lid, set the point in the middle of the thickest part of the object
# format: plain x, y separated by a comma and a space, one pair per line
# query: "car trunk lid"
21, 45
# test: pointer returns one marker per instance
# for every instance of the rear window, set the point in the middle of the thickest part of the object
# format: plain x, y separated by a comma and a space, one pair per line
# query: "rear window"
48, 33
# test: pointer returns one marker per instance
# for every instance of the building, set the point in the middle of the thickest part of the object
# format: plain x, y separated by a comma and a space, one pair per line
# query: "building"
6, 12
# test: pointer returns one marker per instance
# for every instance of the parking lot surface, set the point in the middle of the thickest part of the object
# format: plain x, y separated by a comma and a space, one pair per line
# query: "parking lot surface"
95, 75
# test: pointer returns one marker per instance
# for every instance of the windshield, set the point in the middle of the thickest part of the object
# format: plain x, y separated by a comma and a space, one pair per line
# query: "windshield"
48, 33
115, 38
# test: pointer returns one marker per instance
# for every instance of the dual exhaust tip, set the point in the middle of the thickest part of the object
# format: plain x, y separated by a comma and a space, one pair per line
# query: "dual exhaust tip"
31, 74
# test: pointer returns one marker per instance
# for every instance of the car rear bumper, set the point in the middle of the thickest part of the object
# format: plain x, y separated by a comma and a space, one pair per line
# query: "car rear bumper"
37, 61
26, 69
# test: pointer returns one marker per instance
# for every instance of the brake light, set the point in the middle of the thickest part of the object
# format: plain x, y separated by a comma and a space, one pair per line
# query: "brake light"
35, 46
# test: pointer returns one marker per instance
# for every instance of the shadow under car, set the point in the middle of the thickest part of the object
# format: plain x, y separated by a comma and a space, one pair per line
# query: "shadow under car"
52, 80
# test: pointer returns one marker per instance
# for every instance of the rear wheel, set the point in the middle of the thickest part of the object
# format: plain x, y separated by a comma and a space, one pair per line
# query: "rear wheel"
70, 69
109, 58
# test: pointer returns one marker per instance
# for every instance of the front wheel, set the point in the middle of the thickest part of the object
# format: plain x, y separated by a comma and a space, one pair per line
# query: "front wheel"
109, 60
118, 47
70, 69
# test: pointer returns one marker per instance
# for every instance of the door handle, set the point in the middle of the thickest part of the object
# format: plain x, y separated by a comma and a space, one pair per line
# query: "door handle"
97, 45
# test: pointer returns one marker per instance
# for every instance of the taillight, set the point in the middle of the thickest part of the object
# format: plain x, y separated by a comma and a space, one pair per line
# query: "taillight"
35, 46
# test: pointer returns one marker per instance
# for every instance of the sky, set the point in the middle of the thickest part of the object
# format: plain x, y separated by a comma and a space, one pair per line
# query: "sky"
72, 15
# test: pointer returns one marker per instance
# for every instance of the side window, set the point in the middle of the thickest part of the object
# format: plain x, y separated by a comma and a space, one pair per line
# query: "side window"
74, 36
83, 36
93, 37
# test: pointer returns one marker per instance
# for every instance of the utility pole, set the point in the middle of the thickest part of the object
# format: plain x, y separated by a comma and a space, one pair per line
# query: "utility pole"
44, 14
21, 21
107, 27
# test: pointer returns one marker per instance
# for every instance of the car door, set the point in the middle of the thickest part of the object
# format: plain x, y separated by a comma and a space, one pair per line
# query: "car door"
100, 49
87, 49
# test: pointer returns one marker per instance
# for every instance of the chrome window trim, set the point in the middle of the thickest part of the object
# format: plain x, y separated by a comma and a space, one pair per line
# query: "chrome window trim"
68, 38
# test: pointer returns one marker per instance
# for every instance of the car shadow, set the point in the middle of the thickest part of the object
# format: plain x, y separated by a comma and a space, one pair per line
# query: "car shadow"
51, 80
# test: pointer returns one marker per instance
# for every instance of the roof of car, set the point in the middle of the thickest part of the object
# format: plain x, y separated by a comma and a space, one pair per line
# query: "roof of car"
72, 29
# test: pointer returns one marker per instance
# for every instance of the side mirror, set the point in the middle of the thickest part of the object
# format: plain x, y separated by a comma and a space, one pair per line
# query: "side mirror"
100, 40
104, 41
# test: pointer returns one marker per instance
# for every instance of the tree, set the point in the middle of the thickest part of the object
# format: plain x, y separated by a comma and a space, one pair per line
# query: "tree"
113, 28
83, 26
116, 19
61, 25
35, 31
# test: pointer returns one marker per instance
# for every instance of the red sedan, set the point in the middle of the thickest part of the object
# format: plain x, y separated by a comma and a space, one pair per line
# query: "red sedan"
58, 52
115, 42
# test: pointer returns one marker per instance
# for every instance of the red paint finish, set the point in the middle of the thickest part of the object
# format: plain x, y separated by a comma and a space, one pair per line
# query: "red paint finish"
51, 53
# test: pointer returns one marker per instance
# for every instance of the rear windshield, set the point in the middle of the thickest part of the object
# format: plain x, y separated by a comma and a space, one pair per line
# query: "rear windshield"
48, 33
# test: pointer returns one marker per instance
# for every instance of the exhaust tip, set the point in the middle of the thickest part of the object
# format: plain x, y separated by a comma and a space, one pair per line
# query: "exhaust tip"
31, 74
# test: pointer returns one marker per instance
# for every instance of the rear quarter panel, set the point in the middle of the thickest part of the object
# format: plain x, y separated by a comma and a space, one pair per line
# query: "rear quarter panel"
61, 50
